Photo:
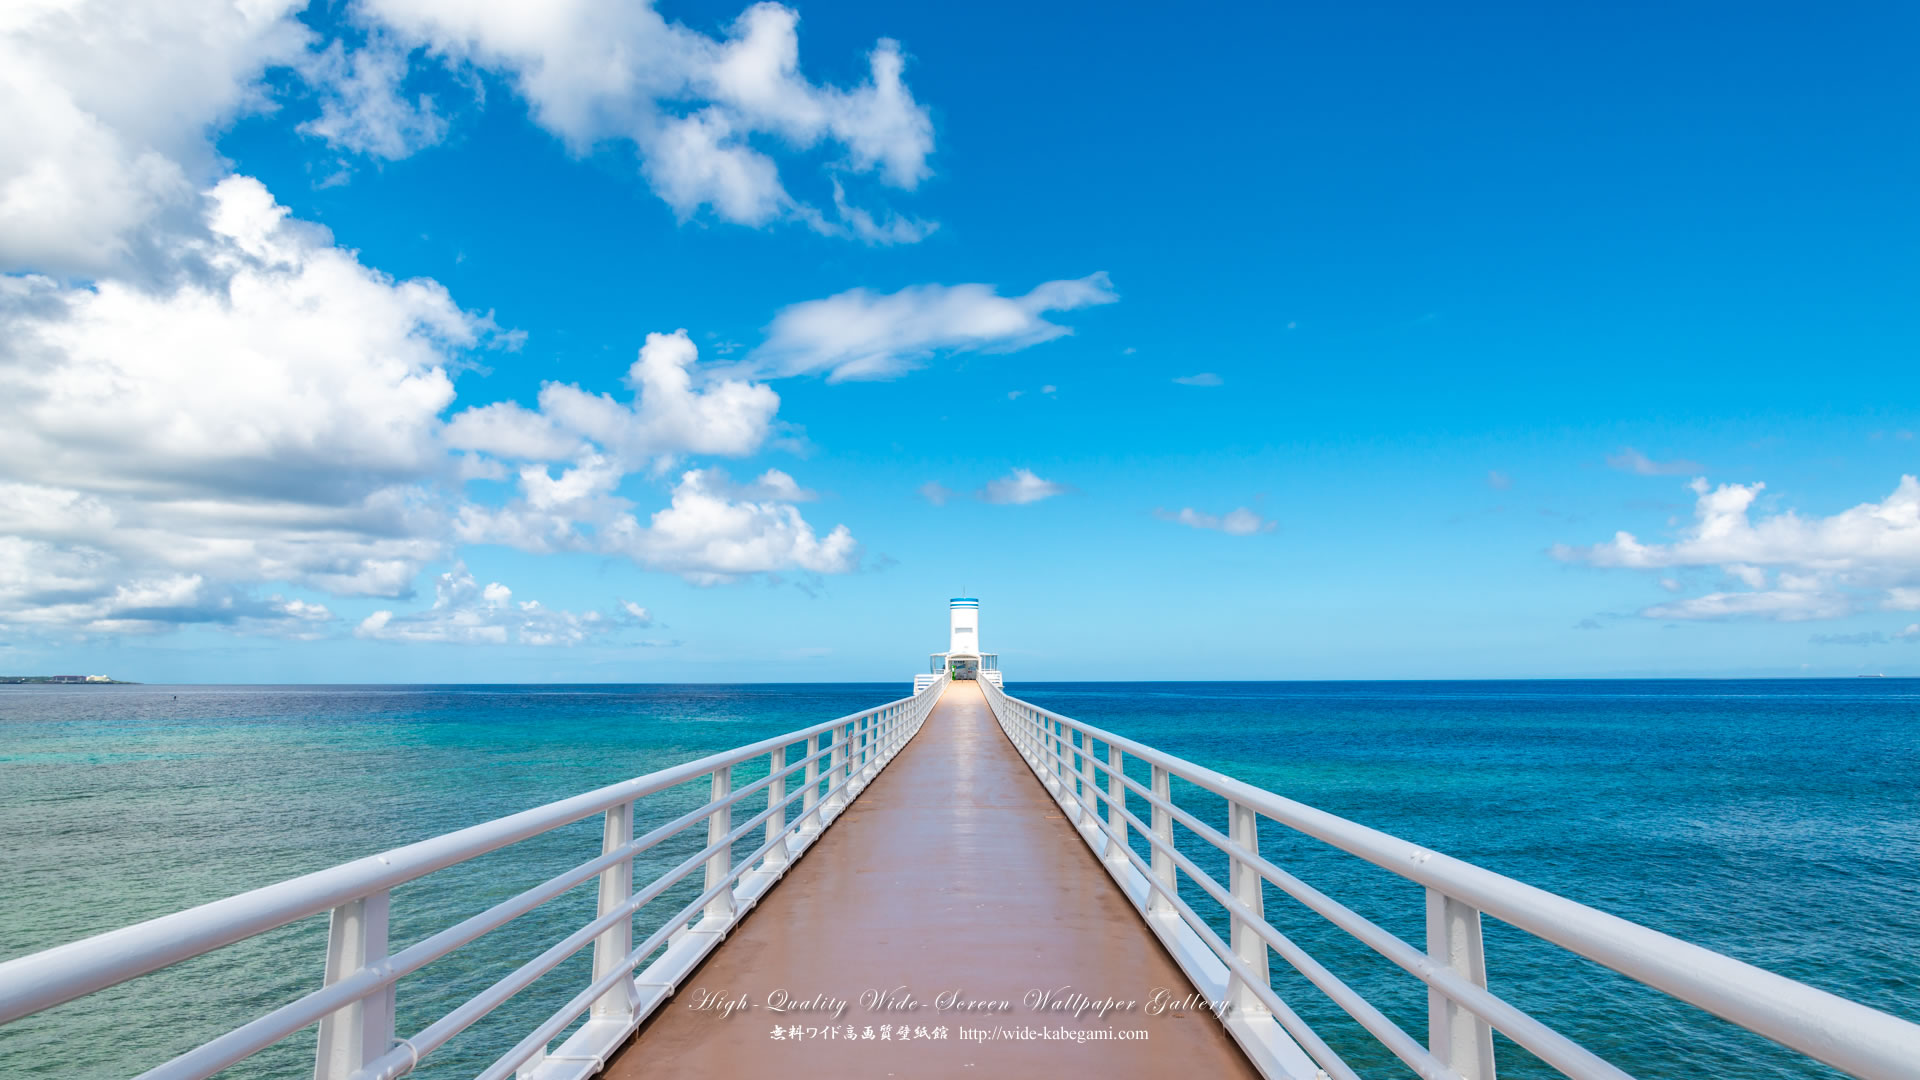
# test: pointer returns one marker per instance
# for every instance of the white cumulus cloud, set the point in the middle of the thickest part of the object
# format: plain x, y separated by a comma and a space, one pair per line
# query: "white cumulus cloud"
206, 405
271, 419
670, 415
466, 613
861, 334
108, 108
697, 109
275, 419
708, 537
112, 109
712, 530
1795, 567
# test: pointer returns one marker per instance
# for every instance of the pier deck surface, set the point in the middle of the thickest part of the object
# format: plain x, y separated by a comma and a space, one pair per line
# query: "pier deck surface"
954, 871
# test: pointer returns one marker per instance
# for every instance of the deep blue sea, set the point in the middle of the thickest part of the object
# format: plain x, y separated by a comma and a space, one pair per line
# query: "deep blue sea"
1777, 821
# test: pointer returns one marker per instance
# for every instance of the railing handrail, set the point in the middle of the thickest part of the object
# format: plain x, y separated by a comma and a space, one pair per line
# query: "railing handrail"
42, 980
1850, 1036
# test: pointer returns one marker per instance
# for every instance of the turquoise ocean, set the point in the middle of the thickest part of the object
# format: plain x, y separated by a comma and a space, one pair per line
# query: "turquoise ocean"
1777, 821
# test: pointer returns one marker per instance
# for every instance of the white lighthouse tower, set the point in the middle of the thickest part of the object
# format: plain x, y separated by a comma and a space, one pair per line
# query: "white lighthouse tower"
963, 658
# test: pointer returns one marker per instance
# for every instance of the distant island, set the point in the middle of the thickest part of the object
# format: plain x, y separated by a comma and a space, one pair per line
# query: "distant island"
96, 680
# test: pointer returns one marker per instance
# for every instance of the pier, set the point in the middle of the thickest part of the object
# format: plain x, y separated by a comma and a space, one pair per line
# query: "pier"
954, 873
936, 879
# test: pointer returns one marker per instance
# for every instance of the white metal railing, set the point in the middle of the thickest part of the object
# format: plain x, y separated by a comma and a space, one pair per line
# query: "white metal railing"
354, 1006
1084, 768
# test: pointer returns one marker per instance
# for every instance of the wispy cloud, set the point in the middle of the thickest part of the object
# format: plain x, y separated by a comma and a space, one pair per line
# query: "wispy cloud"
1205, 378
1778, 605
936, 493
1237, 522
1869, 637
860, 334
1498, 480
1020, 487
1633, 461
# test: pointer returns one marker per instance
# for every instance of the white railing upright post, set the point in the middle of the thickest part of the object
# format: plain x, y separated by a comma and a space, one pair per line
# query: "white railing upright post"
1060, 779
720, 863
353, 1035
1116, 805
836, 770
856, 759
1243, 826
1457, 1037
777, 854
1163, 865
1089, 802
809, 800
611, 947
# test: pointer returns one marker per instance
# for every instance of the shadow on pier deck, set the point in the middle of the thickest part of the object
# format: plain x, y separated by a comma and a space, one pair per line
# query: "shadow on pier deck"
954, 872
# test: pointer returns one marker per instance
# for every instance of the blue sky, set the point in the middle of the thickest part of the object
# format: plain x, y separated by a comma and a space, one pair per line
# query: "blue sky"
1266, 342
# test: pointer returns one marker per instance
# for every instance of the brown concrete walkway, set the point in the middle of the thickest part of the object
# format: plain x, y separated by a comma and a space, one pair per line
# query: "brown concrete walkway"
953, 873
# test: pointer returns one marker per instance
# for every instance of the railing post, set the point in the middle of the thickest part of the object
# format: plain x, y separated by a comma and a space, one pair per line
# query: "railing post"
810, 822
836, 771
1116, 805
353, 1035
1457, 1037
611, 947
719, 824
1055, 765
1089, 802
777, 855
1244, 830
1163, 865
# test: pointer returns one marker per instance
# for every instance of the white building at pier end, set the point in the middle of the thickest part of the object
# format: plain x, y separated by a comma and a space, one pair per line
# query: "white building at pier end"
963, 658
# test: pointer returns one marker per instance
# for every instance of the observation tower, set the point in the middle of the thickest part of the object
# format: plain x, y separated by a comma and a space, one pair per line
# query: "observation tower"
963, 659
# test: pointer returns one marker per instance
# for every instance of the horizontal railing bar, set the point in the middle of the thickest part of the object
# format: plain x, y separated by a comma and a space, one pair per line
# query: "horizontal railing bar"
432, 1037
1845, 1034
255, 1036
1390, 1034
1562, 1053
440, 1032
1549, 1045
42, 980
514, 1058
474, 1009
584, 1000
1301, 1031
